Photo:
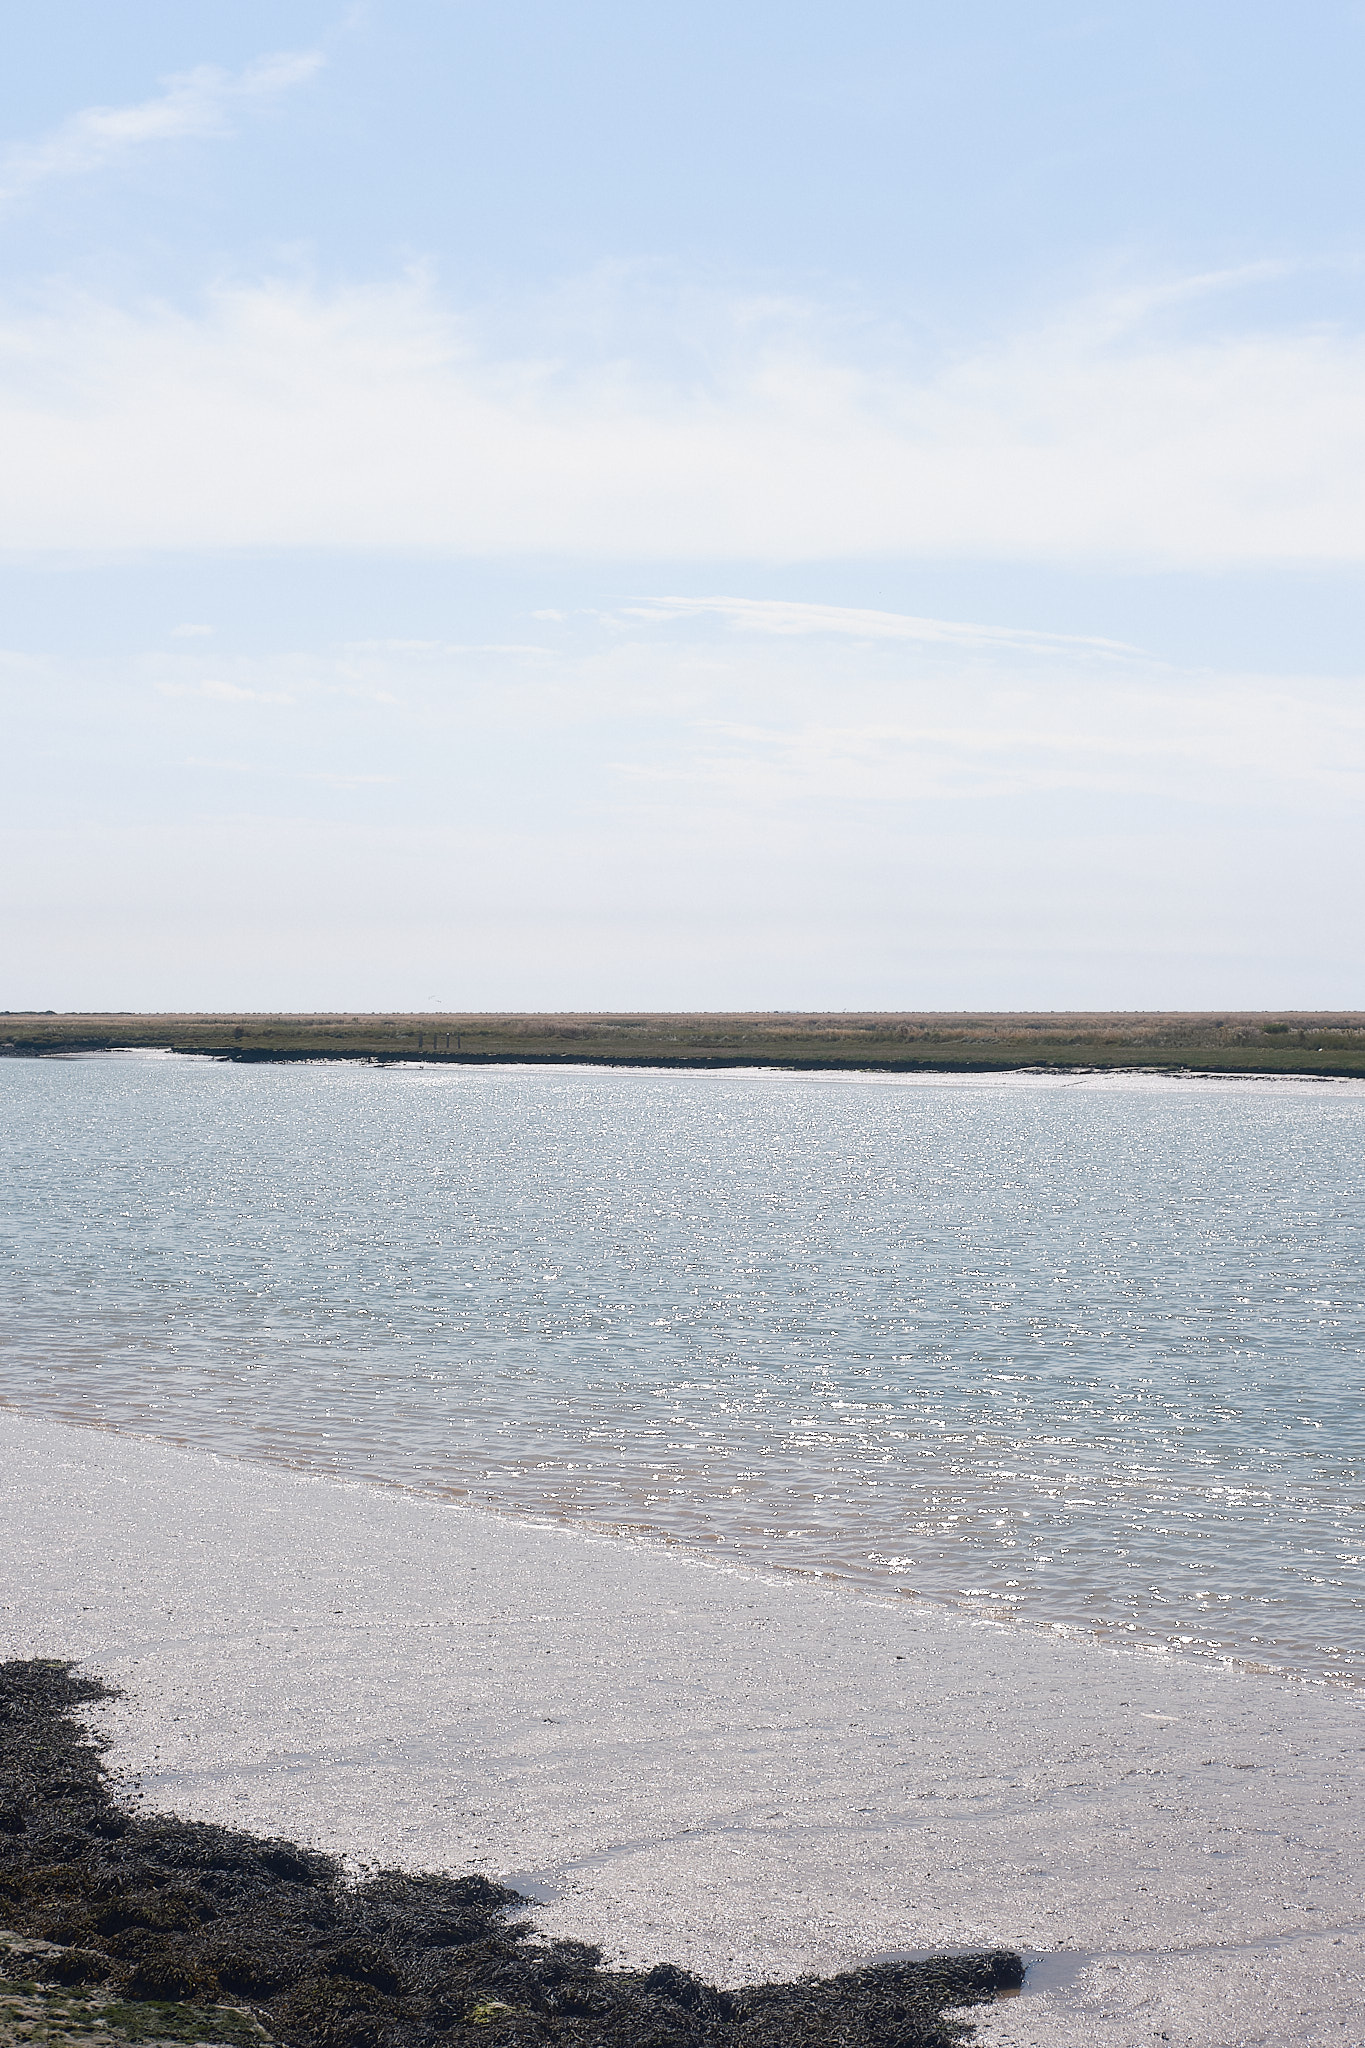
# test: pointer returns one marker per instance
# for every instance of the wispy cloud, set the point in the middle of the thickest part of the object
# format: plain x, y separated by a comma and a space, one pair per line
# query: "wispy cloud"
225, 693
298, 681
201, 102
788, 619
443, 647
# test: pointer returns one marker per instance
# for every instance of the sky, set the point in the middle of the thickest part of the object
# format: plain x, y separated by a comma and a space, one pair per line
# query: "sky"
612, 506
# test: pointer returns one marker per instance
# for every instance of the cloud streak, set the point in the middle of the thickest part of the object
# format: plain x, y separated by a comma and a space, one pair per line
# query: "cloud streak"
788, 619
195, 103
225, 693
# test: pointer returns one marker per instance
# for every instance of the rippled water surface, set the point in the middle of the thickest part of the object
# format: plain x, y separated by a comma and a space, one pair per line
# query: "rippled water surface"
1085, 1352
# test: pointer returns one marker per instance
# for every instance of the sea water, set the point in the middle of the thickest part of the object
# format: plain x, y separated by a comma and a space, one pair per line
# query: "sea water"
1077, 1352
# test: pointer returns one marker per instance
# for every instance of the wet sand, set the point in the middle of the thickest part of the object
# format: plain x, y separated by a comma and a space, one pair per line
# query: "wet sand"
689, 1761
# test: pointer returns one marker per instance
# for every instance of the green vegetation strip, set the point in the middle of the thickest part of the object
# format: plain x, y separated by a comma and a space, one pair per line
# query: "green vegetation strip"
149, 1927
43, 2013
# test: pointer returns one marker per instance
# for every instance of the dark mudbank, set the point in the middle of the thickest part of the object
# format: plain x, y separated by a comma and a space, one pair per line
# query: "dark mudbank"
153, 1908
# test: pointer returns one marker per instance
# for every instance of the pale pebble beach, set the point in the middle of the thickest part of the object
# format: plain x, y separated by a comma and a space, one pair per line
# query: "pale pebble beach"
750, 1774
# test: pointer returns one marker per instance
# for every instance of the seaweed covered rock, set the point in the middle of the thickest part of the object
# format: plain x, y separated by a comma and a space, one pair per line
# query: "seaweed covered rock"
149, 1907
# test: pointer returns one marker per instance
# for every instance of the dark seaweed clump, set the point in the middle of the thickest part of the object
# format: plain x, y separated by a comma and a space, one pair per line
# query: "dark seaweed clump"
154, 1908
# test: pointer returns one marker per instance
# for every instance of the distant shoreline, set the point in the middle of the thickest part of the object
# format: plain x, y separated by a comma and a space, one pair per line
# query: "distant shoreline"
1330, 1045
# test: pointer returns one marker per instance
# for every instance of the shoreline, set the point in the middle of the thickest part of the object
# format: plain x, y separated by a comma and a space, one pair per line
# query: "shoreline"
909, 1070
945, 1072
750, 1777
654, 1537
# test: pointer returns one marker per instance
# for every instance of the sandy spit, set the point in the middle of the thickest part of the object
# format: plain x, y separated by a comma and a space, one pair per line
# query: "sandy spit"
747, 1774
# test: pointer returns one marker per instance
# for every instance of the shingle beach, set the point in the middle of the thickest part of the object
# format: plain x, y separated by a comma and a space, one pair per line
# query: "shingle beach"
698, 1762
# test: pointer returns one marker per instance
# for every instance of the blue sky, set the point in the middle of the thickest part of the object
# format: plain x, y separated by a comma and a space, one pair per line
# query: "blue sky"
610, 506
